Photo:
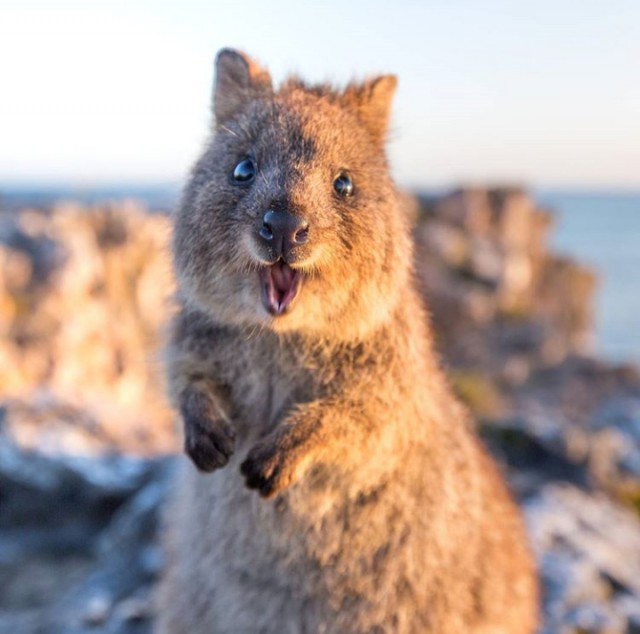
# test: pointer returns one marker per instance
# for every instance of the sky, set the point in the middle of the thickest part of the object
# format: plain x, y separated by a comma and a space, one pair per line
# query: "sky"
539, 93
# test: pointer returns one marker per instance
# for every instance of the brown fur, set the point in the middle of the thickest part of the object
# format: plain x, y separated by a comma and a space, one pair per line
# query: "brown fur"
384, 513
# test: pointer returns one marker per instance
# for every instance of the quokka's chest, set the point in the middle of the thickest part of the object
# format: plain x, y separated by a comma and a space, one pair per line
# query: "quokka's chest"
265, 386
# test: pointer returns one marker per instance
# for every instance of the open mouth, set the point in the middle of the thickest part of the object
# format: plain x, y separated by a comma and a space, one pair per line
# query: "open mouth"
280, 286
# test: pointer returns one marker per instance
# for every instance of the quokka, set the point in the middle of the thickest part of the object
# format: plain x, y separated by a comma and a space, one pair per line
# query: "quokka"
349, 493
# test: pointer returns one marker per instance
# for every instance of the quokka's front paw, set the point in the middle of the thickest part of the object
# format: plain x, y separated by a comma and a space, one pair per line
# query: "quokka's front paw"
209, 440
209, 443
272, 465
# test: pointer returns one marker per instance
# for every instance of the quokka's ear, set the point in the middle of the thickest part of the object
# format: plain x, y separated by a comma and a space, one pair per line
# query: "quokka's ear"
372, 102
238, 79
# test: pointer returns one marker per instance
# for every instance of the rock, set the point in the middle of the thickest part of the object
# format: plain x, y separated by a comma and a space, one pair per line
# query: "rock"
78, 536
629, 607
614, 450
489, 277
530, 459
589, 415
588, 550
84, 294
116, 596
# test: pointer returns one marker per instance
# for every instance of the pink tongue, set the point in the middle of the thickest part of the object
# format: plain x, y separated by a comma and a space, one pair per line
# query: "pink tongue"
282, 276
280, 285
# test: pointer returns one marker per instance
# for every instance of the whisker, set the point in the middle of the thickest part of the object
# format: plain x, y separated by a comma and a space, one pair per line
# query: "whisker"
229, 130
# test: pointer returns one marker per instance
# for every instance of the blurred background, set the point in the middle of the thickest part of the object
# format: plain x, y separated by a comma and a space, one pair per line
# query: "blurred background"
516, 137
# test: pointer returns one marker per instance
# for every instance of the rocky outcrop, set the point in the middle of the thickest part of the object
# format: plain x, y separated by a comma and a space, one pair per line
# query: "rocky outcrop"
493, 286
589, 556
78, 541
83, 296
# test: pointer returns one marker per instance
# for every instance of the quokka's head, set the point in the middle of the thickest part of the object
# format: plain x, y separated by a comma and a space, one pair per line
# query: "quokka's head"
290, 220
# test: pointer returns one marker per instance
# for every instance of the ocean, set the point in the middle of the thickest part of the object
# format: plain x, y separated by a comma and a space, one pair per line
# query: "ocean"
602, 231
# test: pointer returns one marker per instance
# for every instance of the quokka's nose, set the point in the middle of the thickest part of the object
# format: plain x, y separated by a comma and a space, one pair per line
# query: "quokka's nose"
283, 231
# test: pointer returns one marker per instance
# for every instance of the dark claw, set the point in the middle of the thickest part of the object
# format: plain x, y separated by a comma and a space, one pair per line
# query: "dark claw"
252, 475
261, 473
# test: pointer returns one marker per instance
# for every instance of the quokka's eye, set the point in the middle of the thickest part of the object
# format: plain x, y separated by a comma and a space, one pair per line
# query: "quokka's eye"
343, 184
245, 171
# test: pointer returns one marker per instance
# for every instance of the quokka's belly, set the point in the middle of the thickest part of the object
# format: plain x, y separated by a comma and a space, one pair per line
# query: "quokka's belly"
308, 562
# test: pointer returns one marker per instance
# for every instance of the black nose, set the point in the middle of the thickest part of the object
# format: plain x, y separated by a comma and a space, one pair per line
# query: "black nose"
283, 231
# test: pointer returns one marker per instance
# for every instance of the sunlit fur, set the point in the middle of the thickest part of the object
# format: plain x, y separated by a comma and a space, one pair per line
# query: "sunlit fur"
348, 494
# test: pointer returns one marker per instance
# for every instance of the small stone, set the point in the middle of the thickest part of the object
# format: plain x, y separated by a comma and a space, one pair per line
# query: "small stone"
98, 610
134, 609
